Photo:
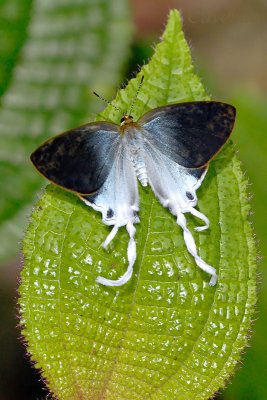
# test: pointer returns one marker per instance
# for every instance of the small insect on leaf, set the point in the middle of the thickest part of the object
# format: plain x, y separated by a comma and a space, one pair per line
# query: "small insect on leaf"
168, 148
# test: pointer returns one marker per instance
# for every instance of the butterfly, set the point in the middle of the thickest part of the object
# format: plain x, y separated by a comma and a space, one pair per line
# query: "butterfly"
168, 148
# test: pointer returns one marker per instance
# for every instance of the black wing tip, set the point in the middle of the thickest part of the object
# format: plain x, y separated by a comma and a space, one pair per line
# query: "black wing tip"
233, 109
231, 115
215, 103
229, 107
223, 111
33, 158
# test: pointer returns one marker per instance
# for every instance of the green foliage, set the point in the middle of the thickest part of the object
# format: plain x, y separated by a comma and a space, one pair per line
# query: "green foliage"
13, 22
166, 334
71, 48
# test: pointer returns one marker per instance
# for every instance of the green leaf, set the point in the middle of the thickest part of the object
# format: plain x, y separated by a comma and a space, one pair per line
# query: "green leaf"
14, 17
166, 334
71, 49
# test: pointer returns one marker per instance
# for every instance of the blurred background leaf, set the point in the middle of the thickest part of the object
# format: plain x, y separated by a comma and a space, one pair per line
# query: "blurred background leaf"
229, 42
14, 19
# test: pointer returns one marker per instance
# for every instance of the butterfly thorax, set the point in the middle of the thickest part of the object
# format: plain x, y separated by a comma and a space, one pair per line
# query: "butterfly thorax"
126, 120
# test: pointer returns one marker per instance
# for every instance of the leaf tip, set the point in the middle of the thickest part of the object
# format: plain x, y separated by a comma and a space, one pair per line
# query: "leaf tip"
174, 19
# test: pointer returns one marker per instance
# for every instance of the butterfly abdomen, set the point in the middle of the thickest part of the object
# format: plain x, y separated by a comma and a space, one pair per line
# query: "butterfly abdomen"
135, 145
140, 169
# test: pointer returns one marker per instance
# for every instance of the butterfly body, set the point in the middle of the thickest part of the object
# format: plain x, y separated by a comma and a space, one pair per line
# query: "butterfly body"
133, 139
169, 148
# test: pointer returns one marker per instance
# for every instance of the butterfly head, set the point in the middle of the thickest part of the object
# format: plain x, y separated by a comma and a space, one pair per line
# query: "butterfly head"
126, 120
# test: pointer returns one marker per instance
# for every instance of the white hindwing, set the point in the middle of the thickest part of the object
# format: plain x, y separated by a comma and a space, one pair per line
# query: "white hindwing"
118, 201
175, 187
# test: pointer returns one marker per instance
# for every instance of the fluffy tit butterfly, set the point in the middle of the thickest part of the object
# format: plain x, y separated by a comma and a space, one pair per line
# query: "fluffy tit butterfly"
168, 148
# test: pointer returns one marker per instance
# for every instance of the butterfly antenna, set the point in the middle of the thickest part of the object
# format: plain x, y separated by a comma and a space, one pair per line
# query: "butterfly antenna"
109, 102
137, 92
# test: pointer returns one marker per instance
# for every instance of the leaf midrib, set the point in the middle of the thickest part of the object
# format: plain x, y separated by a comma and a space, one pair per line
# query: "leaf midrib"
132, 306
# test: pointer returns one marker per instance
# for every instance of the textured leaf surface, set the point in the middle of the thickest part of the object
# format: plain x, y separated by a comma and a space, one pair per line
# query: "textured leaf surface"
166, 334
72, 48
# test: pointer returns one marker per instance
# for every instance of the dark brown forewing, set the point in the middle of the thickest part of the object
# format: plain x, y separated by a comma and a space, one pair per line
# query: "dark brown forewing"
80, 159
189, 133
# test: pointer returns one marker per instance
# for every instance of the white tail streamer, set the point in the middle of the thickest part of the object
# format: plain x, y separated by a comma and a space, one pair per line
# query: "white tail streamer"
191, 247
131, 255
110, 236
201, 216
